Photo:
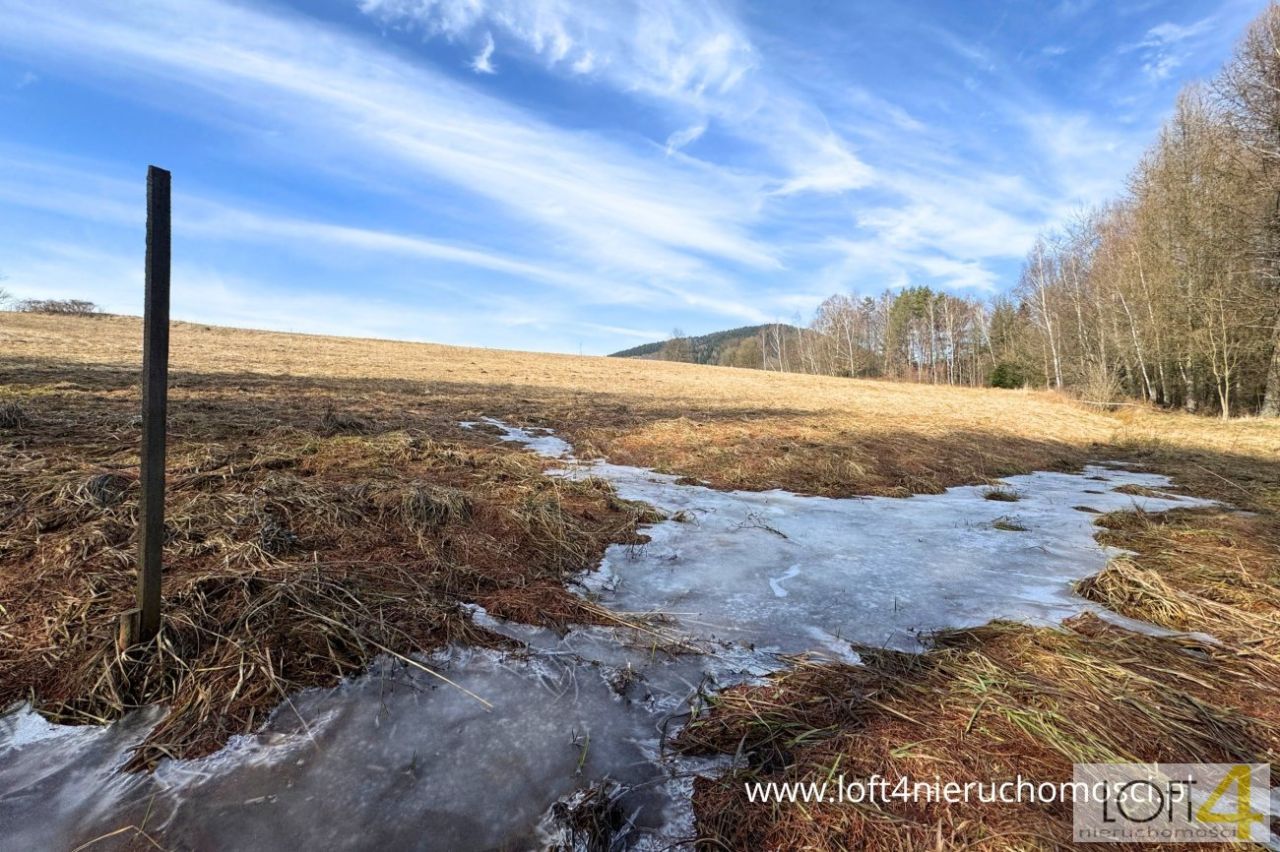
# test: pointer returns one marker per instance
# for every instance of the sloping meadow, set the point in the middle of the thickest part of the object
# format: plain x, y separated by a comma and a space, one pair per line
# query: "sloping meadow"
303, 540
326, 509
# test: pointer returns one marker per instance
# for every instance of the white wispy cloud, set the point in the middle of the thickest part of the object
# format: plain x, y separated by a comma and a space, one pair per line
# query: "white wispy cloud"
1087, 160
868, 266
635, 333
482, 62
672, 47
405, 123
680, 138
1166, 46
693, 55
836, 170
50, 186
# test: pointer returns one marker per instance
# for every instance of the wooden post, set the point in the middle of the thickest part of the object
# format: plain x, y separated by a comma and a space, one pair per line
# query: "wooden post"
155, 394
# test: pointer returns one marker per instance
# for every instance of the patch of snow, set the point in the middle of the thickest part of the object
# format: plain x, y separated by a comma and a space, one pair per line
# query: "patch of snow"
541, 441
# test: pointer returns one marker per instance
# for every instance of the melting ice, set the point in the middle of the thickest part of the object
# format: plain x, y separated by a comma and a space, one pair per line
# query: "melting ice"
396, 759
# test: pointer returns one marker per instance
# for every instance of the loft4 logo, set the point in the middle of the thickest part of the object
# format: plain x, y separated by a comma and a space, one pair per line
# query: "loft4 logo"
1233, 792
1144, 800
1171, 803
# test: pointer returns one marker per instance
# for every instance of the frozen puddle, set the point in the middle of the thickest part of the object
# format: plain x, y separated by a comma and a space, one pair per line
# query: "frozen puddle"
396, 759
393, 759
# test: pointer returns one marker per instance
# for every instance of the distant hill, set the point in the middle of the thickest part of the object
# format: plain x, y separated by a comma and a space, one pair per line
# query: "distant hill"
737, 347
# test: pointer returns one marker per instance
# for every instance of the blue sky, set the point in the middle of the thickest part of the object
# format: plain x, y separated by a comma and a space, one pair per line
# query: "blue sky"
568, 176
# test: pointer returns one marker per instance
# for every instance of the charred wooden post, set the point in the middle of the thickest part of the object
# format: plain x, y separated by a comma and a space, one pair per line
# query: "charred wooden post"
155, 395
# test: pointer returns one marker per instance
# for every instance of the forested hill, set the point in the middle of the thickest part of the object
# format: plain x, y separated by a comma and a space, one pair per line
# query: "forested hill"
644, 350
732, 347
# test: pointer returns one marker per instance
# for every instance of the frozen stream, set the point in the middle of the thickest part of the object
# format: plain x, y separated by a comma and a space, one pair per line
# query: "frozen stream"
395, 759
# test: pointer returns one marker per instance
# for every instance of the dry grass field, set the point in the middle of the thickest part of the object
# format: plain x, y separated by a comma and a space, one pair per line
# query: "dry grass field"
326, 507
734, 428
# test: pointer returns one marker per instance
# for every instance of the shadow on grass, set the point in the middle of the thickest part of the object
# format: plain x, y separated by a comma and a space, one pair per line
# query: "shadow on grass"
727, 446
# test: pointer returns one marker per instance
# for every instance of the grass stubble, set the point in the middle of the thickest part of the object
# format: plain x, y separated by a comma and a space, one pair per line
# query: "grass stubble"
325, 508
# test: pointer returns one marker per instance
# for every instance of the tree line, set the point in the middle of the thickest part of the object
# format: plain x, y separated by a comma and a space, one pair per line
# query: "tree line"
1169, 293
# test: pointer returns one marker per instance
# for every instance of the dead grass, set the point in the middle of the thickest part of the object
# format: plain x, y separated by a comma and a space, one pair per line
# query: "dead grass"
295, 552
729, 427
1211, 571
325, 507
11, 414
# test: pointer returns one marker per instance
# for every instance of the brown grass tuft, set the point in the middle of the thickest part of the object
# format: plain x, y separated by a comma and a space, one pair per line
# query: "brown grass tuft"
335, 422
12, 414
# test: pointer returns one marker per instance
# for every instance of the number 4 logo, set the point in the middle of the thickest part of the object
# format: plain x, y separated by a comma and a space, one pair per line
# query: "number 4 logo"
1243, 815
